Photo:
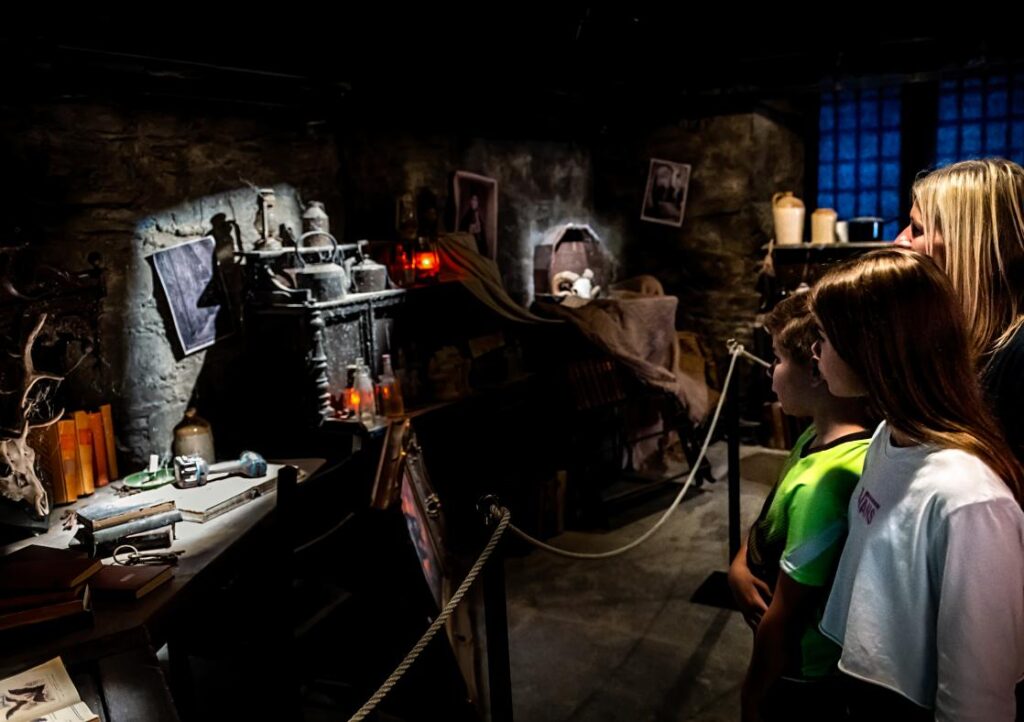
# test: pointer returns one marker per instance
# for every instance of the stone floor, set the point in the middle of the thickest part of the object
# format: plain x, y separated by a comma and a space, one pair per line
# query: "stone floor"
620, 639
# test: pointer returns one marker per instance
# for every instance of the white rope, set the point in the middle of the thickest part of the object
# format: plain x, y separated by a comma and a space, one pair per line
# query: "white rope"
736, 350
449, 608
752, 357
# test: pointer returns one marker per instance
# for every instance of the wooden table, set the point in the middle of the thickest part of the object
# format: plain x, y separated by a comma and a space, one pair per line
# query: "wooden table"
121, 630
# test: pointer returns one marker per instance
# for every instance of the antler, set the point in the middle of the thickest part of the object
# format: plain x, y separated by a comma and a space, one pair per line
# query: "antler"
21, 482
31, 377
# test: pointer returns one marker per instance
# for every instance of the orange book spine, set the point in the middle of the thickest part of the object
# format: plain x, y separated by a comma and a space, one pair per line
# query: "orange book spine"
108, 441
85, 470
69, 458
99, 449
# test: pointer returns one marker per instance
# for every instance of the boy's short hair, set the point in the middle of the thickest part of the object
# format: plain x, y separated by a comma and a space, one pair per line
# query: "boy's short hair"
793, 327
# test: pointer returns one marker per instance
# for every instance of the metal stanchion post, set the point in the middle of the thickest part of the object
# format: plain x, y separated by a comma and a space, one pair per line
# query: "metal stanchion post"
732, 413
714, 591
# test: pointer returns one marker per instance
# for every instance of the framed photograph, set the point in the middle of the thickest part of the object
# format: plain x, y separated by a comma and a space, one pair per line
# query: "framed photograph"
191, 280
476, 210
665, 197
425, 520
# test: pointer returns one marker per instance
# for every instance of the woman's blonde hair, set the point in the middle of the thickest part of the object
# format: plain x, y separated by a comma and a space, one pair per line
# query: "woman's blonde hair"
894, 318
978, 208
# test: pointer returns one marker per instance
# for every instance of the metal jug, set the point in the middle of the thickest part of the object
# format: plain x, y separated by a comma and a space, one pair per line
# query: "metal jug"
326, 281
368, 276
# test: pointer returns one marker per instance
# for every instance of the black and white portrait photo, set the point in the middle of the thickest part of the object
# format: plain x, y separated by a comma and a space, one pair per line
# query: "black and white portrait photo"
665, 196
476, 210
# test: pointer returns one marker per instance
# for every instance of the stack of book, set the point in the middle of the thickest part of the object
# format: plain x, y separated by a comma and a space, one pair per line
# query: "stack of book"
77, 454
144, 524
41, 584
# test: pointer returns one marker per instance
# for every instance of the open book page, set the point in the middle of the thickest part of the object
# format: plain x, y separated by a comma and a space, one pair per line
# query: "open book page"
43, 692
78, 712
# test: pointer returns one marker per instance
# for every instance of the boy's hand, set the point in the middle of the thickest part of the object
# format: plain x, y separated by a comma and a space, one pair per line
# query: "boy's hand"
752, 595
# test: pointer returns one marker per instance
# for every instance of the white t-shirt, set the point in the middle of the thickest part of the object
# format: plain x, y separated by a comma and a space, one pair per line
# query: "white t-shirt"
928, 599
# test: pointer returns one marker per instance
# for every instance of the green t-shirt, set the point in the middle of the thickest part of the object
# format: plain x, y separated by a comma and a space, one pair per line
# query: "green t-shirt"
802, 528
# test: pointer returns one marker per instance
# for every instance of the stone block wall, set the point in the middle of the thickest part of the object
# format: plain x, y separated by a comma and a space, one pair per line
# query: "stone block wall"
125, 181
711, 262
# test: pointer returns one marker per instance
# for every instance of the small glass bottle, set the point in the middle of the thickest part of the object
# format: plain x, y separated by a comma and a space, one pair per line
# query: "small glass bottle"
367, 411
350, 397
193, 436
390, 391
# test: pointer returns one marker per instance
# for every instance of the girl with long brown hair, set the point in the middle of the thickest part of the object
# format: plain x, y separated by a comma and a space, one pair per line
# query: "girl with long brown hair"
928, 600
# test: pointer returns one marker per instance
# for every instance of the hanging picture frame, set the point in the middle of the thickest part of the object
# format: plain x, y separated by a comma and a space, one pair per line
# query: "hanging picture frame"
665, 195
190, 277
476, 210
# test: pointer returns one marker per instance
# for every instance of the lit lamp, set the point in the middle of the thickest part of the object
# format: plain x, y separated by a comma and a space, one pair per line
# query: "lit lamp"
426, 263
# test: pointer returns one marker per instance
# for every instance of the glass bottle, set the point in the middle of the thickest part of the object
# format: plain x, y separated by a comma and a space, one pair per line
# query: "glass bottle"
367, 411
193, 436
390, 391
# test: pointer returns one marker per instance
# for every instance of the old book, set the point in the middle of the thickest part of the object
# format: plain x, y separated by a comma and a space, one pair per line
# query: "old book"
119, 581
135, 526
108, 440
99, 449
22, 600
37, 567
69, 458
111, 513
46, 442
158, 539
44, 692
86, 476
203, 503
78, 606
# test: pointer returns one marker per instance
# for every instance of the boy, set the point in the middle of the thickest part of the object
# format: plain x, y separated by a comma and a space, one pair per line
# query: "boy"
781, 576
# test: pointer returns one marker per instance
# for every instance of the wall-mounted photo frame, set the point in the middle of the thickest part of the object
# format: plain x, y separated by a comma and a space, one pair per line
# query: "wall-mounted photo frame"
476, 210
190, 277
665, 195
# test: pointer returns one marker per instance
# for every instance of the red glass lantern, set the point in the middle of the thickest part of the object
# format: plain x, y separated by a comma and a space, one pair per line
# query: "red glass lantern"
425, 262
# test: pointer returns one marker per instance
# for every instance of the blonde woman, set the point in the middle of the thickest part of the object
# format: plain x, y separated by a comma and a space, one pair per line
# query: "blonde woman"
969, 217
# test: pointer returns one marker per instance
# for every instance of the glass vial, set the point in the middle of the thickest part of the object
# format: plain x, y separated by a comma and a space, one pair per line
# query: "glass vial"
390, 391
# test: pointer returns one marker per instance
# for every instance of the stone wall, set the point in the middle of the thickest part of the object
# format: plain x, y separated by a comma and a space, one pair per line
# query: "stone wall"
124, 182
711, 262
540, 184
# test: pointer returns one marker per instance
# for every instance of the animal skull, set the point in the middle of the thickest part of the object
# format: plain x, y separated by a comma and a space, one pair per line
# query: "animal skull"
18, 478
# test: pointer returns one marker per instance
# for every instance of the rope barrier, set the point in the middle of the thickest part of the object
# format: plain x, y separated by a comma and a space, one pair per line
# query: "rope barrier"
503, 520
736, 351
503, 517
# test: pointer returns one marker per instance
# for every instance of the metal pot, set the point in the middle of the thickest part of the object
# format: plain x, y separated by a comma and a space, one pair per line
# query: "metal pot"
368, 276
326, 281
865, 229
